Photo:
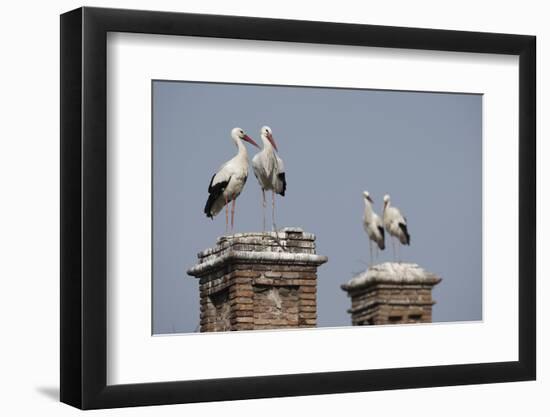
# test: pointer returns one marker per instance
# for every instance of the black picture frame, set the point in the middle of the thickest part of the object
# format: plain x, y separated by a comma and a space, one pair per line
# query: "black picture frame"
84, 207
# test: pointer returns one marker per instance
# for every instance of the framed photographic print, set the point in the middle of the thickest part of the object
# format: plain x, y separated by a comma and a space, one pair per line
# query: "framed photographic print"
258, 207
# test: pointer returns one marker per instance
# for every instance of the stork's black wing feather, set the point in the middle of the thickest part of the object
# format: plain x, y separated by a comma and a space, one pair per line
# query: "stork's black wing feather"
382, 245
210, 185
281, 176
215, 191
403, 227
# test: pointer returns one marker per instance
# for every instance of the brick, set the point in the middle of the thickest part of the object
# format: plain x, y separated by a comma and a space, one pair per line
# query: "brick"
263, 281
241, 300
243, 326
242, 320
240, 294
242, 313
238, 307
307, 296
290, 275
258, 321
302, 282
248, 274
241, 280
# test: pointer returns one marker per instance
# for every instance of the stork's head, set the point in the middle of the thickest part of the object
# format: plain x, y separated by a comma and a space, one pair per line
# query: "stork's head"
386, 200
239, 134
268, 134
367, 196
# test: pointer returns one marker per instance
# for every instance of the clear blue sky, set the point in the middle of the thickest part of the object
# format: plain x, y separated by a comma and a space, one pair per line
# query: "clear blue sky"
422, 148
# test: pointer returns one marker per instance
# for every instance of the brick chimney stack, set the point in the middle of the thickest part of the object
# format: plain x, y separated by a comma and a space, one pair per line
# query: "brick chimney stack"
391, 293
252, 281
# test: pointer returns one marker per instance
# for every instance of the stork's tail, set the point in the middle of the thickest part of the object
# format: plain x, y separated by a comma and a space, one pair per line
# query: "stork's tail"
381, 242
208, 207
282, 183
406, 238
216, 192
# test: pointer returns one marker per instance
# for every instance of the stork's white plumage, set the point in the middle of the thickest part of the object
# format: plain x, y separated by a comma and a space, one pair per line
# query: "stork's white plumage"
227, 184
373, 225
269, 170
395, 223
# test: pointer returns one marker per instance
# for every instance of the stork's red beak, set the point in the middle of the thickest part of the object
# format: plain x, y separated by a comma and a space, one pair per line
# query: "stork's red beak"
272, 141
250, 140
370, 199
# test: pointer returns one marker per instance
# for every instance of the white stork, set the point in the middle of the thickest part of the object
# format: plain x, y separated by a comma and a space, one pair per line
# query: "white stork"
226, 185
395, 223
372, 223
269, 169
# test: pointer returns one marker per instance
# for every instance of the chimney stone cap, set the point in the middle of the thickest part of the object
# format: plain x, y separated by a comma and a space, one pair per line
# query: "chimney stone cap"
246, 237
392, 273
290, 245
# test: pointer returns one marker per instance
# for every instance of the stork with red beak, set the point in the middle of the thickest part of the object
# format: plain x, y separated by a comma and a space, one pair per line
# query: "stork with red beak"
372, 223
395, 223
269, 169
227, 184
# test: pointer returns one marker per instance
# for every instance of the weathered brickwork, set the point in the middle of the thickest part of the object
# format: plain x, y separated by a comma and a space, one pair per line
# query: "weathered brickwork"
252, 281
391, 293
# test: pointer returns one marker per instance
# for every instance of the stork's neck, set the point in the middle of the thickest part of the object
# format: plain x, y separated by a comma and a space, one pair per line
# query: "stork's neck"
267, 144
368, 209
242, 152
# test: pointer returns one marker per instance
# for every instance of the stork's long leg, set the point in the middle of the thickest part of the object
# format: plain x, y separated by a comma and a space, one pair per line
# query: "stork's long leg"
398, 251
273, 210
233, 213
264, 206
370, 251
226, 214
393, 247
